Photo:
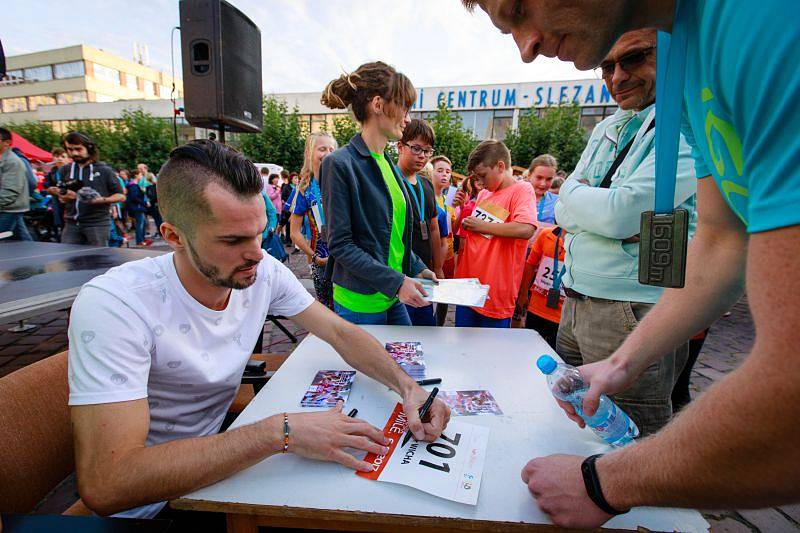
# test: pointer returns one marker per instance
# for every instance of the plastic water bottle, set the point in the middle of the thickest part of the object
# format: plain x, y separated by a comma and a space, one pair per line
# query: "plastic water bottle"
610, 423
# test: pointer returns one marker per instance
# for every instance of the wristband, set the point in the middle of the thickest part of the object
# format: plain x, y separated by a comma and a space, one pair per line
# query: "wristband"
285, 432
592, 483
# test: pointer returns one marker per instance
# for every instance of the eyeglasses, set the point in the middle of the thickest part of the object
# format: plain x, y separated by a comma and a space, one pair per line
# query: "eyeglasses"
626, 62
418, 150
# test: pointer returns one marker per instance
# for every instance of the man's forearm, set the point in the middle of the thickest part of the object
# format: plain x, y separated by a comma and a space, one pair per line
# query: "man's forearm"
680, 313
735, 446
157, 473
363, 352
114, 198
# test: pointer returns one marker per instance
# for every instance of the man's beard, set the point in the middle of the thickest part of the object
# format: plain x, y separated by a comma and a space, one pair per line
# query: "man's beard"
80, 160
212, 274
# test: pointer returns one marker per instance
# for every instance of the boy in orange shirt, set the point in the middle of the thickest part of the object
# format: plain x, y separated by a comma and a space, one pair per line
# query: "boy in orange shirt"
543, 271
499, 229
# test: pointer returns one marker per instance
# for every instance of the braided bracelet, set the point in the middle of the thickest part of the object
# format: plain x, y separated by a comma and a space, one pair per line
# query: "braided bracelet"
285, 432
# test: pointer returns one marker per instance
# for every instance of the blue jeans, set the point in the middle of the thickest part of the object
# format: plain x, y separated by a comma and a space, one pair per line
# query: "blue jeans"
14, 223
466, 317
421, 316
396, 315
139, 220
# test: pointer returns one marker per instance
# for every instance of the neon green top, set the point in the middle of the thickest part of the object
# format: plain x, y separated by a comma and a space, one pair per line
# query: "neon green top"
378, 302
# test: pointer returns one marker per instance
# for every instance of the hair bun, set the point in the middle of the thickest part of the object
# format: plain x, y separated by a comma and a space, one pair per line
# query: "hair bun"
339, 93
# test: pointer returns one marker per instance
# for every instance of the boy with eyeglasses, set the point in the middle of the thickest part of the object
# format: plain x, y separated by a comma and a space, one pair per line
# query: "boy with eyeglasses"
414, 150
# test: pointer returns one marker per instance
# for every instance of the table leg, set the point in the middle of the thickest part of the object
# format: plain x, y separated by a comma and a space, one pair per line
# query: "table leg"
242, 523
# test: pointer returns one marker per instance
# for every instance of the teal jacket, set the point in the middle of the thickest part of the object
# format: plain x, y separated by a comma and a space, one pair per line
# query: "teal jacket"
14, 196
597, 262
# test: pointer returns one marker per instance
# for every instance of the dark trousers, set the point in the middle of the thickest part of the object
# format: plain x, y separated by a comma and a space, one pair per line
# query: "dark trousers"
92, 235
157, 220
680, 393
15, 223
421, 316
466, 317
548, 330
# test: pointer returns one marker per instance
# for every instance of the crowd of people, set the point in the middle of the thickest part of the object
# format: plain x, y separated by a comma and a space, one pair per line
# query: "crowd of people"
77, 199
561, 255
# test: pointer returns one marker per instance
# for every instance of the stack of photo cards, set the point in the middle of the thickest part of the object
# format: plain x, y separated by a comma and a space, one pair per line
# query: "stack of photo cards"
470, 402
328, 388
409, 356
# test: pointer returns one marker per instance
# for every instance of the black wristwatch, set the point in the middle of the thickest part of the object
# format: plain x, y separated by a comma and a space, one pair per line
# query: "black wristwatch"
592, 483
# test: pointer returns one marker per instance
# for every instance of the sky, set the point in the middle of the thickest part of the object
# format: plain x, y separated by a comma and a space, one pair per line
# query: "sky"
305, 43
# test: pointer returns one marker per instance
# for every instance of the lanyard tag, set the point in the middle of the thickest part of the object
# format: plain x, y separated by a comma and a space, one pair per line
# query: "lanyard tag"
423, 229
553, 298
662, 250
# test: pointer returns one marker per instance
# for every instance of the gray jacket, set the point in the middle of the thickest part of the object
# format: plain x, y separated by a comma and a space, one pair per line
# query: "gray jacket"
14, 197
358, 215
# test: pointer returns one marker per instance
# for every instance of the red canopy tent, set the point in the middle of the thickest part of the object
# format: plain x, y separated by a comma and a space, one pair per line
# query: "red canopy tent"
31, 151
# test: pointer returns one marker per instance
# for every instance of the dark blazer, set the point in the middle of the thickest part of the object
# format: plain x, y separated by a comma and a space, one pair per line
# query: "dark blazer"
358, 217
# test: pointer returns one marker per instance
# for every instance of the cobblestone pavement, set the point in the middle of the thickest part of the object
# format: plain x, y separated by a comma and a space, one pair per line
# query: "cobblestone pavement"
728, 343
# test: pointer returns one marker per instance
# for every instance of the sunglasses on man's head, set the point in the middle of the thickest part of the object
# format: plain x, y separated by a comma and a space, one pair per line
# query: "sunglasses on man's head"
626, 62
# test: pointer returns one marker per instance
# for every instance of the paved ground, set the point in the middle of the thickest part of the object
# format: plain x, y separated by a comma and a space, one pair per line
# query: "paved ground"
727, 345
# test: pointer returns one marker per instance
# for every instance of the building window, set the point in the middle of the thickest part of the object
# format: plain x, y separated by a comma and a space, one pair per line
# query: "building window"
76, 97
149, 88
104, 98
131, 83
501, 123
111, 75
44, 73
36, 101
14, 105
14, 74
75, 69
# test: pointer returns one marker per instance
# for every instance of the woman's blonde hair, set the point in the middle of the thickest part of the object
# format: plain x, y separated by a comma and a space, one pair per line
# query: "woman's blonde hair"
357, 89
308, 158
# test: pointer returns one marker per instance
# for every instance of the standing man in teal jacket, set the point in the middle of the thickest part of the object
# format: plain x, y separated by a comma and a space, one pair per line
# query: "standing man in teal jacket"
600, 205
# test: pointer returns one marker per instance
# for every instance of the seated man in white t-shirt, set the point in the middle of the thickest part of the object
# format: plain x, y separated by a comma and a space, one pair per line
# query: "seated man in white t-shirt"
157, 348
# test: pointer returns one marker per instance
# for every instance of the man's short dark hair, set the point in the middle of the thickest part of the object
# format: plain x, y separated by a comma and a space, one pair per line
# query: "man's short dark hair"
58, 151
264, 170
418, 129
5, 135
190, 169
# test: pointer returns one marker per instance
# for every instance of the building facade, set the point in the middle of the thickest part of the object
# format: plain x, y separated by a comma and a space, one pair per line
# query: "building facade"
488, 110
75, 75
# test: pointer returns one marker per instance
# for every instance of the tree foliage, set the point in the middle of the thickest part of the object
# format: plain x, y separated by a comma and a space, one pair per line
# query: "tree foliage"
281, 140
137, 137
452, 138
344, 128
557, 132
41, 134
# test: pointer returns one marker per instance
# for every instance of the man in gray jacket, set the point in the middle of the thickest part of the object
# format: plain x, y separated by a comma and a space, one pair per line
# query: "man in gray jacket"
14, 198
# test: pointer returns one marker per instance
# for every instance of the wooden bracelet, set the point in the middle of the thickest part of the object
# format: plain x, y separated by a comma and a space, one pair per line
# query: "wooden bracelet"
285, 432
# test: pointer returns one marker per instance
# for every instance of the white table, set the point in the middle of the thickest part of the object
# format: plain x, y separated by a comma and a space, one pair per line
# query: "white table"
290, 491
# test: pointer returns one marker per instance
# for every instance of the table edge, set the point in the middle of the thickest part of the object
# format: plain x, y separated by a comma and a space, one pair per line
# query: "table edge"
283, 511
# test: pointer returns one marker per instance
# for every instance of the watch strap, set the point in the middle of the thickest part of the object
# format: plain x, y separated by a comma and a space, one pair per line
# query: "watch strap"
592, 483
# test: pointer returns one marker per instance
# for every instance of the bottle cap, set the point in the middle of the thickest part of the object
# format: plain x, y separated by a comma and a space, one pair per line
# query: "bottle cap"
546, 364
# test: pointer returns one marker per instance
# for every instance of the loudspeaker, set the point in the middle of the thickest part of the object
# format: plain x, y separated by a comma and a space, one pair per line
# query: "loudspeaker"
221, 51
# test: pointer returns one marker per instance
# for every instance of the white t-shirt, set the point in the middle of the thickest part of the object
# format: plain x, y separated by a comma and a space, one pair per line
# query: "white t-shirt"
135, 332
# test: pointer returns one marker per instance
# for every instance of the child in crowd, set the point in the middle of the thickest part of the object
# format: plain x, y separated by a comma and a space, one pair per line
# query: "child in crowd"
541, 291
498, 230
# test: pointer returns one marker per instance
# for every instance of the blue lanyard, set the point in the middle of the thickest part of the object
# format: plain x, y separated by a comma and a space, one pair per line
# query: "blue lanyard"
670, 75
557, 276
540, 207
418, 199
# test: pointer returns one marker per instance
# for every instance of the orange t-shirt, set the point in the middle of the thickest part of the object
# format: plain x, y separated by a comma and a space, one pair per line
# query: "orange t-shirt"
499, 261
541, 257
